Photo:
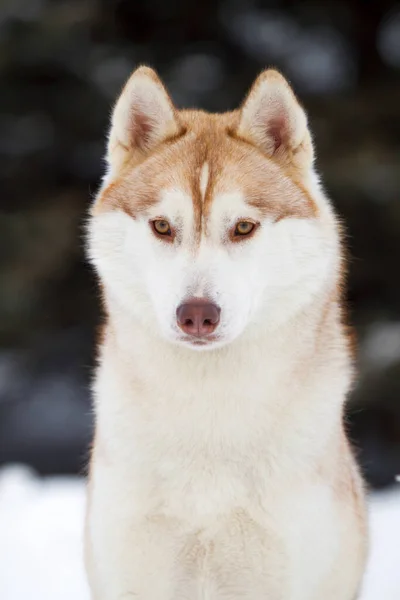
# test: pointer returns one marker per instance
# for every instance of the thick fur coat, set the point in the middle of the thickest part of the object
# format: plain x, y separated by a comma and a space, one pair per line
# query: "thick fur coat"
220, 467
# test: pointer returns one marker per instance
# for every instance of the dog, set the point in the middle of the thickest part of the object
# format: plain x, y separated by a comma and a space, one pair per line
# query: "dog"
220, 467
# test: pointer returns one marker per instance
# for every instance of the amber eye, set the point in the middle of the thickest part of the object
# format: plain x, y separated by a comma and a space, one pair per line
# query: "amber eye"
244, 228
162, 227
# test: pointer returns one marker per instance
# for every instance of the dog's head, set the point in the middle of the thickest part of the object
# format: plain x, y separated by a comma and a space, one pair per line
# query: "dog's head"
208, 226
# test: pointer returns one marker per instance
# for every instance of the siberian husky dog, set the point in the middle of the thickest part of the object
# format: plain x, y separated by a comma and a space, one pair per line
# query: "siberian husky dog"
220, 468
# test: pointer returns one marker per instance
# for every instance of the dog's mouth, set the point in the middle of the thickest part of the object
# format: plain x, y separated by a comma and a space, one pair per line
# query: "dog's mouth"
199, 342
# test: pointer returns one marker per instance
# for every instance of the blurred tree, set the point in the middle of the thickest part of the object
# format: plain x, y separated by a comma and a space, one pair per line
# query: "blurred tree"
62, 64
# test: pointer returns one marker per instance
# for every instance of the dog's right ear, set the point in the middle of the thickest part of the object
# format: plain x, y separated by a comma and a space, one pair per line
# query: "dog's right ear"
143, 117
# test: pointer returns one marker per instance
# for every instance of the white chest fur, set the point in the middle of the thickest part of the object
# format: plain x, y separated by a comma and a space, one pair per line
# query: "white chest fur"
212, 461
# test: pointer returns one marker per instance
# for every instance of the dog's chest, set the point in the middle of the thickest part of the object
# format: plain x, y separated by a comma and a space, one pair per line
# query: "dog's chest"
193, 457
235, 557
199, 467
197, 488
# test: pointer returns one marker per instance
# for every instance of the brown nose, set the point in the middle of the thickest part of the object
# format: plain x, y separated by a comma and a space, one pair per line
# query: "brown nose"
198, 317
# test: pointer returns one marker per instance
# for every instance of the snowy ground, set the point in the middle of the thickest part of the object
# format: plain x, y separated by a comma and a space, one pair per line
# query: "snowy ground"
41, 540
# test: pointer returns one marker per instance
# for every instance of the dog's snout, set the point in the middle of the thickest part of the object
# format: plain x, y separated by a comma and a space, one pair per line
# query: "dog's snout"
198, 317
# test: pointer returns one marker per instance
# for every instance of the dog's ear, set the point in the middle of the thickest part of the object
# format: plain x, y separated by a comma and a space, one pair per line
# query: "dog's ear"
272, 119
143, 117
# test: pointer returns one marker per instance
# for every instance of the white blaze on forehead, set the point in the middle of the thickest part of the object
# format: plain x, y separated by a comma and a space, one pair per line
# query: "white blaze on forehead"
204, 174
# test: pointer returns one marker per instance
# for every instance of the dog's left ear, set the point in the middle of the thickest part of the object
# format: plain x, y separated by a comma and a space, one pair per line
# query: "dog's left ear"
272, 119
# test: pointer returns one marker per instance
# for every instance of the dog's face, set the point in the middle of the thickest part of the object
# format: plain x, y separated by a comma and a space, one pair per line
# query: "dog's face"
206, 226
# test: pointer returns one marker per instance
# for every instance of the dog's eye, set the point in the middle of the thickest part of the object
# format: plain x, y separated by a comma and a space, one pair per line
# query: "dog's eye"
244, 228
162, 227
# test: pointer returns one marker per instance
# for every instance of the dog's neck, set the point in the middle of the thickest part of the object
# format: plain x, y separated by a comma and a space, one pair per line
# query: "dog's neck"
255, 392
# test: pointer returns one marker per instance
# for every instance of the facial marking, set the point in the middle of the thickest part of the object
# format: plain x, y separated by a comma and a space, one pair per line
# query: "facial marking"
204, 175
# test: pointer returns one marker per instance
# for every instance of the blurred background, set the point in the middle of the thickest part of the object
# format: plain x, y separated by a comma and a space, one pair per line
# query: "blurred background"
62, 64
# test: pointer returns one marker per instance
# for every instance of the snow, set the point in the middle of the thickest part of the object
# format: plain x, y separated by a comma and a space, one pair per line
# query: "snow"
382, 580
41, 533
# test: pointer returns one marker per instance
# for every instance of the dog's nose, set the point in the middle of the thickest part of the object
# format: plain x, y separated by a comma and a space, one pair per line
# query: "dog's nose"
198, 317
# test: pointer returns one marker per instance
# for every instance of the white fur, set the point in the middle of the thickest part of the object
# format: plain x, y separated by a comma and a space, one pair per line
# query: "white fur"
214, 450
204, 177
272, 275
216, 475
